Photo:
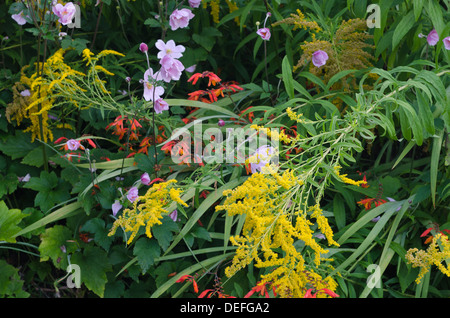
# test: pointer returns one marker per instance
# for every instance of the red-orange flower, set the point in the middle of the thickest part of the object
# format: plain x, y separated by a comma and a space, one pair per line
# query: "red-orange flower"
188, 278
262, 289
367, 202
330, 293
213, 78
435, 227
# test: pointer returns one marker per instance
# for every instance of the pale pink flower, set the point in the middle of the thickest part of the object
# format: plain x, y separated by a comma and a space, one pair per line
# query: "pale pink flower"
180, 18
171, 68
261, 157
24, 179
116, 207
133, 194
319, 58
433, 38
194, 3
174, 215
19, 18
145, 178
73, 144
191, 68
447, 42
170, 49
151, 91
65, 13
264, 33
160, 106
25, 92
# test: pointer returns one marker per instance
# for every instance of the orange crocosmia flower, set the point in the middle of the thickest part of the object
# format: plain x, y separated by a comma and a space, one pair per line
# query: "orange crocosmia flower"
196, 95
368, 202
213, 78
119, 130
232, 85
262, 289
188, 278
167, 148
195, 77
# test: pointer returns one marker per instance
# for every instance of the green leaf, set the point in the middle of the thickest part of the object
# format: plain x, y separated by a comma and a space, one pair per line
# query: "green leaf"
34, 158
434, 11
406, 23
425, 114
64, 212
163, 232
287, 77
11, 285
207, 42
18, 145
97, 227
45, 182
339, 211
434, 165
8, 184
51, 190
55, 246
153, 23
8, 222
146, 250
418, 6
94, 265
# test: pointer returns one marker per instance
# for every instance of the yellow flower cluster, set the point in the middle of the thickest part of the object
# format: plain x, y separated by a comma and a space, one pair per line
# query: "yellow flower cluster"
345, 179
148, 210
274, 134
436, 254
233, 7
271, 231
42, 96
215, 8
294, 116
300, 22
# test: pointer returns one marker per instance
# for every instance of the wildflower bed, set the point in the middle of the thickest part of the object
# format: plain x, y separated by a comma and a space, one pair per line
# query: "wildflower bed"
229, 149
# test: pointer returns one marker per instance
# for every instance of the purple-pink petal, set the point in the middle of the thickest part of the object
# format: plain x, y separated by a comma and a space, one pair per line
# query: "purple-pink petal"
160, 106
319, 58
133, 194
446, 42
180, 18
264, 33
433, 38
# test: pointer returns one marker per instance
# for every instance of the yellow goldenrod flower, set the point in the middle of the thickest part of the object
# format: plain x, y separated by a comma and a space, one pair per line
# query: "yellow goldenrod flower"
148, 210
437, 252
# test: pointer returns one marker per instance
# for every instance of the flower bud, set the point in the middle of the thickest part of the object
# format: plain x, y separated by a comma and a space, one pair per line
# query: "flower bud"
143, 47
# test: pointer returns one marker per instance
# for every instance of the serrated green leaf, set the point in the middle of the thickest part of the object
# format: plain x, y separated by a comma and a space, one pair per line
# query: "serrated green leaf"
10, 282
34, 158
97, 227
94, 265
51, 190
18, 145
146, 250
8, 222
163, 232
8, 184
55, 246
